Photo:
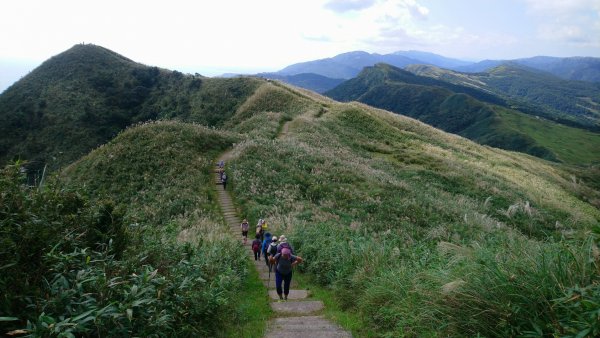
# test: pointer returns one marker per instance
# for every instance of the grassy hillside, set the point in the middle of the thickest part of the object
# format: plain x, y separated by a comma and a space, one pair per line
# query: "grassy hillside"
424, 233
83, 97
470, 110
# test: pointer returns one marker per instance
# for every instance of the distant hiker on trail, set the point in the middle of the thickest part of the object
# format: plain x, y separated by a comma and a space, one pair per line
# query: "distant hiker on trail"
245, 227
259, 229
284, 262
271, 251
224, 180
265, 246
284, 244
221, 164
256, 248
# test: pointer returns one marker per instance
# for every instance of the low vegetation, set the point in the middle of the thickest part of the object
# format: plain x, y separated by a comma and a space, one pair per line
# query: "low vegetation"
127, 243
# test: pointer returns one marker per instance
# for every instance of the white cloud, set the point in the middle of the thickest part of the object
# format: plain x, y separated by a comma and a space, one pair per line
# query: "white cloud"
348, 5
576, 22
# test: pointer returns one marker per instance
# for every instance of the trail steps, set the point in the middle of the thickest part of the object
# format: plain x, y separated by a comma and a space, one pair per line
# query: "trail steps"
297, 317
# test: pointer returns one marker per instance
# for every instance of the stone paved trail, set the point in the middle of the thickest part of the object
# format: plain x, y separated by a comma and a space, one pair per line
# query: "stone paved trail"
298, 317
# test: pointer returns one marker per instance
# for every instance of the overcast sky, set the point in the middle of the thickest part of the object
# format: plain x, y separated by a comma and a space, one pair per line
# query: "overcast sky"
213, 37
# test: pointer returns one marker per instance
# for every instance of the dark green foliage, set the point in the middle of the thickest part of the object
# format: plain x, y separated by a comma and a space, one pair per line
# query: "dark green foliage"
80, 270
36, 222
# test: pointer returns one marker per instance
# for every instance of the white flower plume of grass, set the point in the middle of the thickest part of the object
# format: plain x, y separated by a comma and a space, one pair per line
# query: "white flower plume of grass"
452, 287
448, 248
197, 226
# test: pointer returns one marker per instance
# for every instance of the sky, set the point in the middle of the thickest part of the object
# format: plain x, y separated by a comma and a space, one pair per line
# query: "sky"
213, 37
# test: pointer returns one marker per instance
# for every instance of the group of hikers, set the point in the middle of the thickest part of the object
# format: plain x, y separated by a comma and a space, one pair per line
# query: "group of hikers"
277, 253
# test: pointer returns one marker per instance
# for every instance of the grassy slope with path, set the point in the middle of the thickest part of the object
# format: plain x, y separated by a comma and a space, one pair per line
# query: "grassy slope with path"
370, 185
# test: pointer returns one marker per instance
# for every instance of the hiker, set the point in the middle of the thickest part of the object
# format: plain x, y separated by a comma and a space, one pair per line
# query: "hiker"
259, 230
284, 262
224, 180
221, 164
256, 248
265, 246
245, 227
271, 251
284, 244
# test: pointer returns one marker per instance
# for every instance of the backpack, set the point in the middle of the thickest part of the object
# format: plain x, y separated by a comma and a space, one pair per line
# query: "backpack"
284, 266
256, 245
272, 250
284, 245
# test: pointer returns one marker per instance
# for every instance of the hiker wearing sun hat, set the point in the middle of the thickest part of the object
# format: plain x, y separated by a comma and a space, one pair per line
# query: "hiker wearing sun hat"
284, 244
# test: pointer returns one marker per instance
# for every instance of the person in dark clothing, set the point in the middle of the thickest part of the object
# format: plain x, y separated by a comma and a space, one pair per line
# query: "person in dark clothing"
224, 180
284, 263
256, 244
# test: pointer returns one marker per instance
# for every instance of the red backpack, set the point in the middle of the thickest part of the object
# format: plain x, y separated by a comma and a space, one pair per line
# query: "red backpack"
256, 245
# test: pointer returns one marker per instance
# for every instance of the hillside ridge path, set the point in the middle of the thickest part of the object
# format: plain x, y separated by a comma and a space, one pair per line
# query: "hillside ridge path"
299, 316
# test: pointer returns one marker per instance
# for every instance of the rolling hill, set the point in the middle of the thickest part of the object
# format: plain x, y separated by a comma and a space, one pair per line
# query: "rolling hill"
568, 68
414, 230
466, 106
535, 92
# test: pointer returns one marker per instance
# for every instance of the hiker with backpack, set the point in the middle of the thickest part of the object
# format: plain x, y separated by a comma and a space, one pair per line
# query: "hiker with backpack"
265, 246
284, 244
284, 263
271, 251
256, 243
245, 227
224, 180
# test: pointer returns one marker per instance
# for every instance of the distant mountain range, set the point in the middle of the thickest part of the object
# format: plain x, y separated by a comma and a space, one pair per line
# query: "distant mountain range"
349, 65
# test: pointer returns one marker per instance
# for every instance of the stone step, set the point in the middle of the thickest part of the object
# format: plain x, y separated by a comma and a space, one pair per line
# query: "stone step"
297, 307
293, 295
306, 326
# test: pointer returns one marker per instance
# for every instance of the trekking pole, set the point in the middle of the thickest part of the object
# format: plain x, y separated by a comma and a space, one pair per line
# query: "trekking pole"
269, 282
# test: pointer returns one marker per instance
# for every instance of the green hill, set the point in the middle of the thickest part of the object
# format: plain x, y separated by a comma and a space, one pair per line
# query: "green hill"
470, 109
535, 92
416, 231
83, 97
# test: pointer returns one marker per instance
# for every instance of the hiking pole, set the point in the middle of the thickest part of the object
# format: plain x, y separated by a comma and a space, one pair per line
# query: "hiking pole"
269, 282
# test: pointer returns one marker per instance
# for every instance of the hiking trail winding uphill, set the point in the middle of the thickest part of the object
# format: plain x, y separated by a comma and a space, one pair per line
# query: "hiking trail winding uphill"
299, 316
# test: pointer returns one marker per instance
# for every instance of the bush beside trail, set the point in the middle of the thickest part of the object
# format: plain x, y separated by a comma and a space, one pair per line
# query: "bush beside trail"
118, 247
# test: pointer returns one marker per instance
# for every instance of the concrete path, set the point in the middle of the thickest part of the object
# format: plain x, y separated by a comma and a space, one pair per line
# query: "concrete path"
299, 315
